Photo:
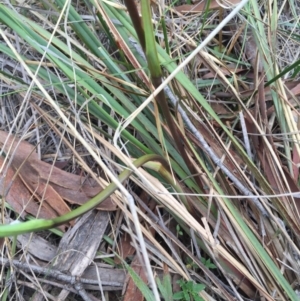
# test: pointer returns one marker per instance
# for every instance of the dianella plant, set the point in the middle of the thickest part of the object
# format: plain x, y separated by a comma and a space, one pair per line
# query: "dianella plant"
184, 106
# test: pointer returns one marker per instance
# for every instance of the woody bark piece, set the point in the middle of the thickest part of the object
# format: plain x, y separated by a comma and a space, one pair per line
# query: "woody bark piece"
111, 278
79, 245
77, 248
37, 246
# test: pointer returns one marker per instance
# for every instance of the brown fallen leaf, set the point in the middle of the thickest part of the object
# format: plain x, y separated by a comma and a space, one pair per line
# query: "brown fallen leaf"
227, 70
39, 187
19, 197
28, 180
200, 7
293, 188
132, 292
296, 162
125, 247
296, 90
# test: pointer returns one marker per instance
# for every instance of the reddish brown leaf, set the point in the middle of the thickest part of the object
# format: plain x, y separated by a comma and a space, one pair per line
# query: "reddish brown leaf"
28, 179
39, 187
228, 70
296, 161
125, 247
216, 147
199, 7
296, 90
294, 188
221, 110
132, 292
73, 188
20, 198
61, 164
